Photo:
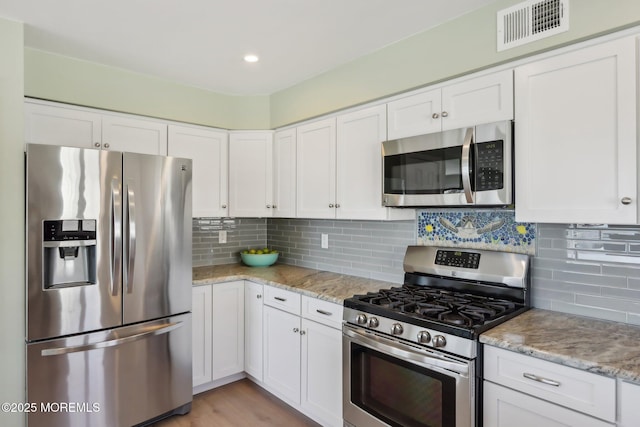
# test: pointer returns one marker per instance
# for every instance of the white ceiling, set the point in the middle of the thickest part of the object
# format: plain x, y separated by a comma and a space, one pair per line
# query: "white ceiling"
201, 43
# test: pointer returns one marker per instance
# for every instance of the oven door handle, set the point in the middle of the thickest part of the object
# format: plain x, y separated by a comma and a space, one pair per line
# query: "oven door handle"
429, 361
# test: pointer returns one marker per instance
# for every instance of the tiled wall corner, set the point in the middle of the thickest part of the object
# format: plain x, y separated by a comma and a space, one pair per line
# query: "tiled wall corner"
372, 249
588, 270
242, 233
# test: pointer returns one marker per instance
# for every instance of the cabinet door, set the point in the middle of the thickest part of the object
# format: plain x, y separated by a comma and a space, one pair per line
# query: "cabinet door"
208, 150
228, 329
629, 404
483, 99
282, 353
504, 407
134, 135
253, 297
316, 169
284, 174
321, 392
415, 115
250, 174
201, 311
359, 164
575, 136
45, 124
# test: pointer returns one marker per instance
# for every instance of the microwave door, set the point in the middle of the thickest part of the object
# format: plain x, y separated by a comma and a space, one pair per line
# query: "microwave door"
465, 166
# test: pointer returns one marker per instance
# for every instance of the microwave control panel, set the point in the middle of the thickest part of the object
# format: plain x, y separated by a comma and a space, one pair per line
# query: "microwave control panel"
489, 173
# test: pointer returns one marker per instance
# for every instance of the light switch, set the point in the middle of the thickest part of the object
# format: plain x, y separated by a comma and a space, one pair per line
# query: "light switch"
324, 241
222, 236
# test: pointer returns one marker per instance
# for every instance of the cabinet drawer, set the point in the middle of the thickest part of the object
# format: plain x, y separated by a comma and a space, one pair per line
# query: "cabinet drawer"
320, 311
282, 299
573, 388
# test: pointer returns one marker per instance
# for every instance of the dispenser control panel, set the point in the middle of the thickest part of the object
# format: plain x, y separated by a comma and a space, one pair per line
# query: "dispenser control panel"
69, 229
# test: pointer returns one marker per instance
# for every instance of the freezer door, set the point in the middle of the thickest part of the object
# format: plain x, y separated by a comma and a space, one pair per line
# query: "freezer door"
73, 235
156, 237
120, 377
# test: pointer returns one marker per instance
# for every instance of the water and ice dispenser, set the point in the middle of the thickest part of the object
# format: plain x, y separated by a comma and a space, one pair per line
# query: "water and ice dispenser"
69, 253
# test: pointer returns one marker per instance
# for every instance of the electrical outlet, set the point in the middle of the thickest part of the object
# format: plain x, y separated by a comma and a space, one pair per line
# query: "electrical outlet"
222, 236
324, 241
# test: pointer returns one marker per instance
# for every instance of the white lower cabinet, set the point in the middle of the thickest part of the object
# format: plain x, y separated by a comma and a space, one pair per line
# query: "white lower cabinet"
253, 313
629, 404
525, 391
321, 392
218, 333
504, 407
201, 336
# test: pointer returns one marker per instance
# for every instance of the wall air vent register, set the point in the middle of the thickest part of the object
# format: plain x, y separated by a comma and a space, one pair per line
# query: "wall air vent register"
531, 20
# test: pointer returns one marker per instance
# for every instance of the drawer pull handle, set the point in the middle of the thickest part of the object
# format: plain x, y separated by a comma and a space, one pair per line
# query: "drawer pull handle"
326, 313
541, 379
280, 299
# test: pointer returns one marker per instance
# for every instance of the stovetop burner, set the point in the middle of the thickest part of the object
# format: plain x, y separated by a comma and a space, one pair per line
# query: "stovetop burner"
443, 305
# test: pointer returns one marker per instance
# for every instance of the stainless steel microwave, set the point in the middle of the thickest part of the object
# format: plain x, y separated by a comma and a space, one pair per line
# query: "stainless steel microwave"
462, 167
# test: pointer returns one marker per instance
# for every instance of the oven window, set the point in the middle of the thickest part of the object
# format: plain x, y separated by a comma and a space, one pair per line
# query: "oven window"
424, 172
400, 393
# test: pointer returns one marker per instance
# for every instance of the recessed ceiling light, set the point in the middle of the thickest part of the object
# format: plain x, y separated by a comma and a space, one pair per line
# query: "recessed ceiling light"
251, 58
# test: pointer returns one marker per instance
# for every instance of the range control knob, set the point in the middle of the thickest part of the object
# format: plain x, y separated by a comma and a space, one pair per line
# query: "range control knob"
361, 319
396, 329
373, 322
424, 337
439, 341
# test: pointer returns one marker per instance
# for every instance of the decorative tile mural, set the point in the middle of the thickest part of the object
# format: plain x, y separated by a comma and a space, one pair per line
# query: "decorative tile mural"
487, 229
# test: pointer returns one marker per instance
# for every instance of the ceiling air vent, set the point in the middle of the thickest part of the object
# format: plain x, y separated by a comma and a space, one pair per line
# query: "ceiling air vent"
531, 20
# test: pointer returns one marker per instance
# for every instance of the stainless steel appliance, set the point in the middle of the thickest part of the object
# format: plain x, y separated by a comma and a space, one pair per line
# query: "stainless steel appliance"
411, 355
461, 167
108, 286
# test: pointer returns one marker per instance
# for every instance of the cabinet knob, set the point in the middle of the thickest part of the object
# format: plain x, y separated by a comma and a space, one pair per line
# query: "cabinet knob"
330, 205
274, 206
435, 115
106, 145
258, 296
302, 332
96, 144
296, 330
626, 200
268, 206
337, 205
445, 114
224, 206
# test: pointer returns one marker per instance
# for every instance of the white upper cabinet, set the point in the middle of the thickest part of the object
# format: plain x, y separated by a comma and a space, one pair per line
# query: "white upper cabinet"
48, 123
134, 135
575, 136
208, 149
359, 166
316, 169
483, 99
250, 174
284, 174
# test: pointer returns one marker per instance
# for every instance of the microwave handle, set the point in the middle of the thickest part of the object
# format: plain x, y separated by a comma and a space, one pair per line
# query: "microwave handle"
465, 165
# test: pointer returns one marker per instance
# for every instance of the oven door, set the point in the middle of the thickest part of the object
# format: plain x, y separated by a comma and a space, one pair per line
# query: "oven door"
392, 383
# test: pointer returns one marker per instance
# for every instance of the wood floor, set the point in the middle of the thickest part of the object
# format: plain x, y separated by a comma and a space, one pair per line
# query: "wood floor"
241, 403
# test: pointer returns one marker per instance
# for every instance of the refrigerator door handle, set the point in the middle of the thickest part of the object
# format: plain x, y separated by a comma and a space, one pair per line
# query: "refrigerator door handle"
116, 236
149, 331
131, 231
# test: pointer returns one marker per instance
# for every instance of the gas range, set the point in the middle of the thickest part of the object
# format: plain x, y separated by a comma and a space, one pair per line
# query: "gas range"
448, 299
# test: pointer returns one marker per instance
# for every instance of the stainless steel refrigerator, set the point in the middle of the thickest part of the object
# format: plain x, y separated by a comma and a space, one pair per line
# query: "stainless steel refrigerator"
108, 286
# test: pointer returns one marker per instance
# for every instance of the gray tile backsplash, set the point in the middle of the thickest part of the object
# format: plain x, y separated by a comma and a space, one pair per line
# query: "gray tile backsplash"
588, 270
372, 249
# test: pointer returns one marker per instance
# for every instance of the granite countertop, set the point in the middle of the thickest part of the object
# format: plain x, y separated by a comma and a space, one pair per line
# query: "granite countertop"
333, 287
598, 346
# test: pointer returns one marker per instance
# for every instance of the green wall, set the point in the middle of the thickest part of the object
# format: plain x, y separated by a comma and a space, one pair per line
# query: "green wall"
64, 79
463, 45
460, 46
12, 311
